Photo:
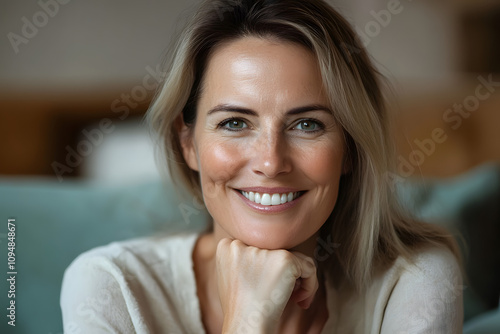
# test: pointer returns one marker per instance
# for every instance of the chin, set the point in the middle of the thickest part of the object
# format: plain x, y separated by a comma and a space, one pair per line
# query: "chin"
266, 244
269, 239
267, 232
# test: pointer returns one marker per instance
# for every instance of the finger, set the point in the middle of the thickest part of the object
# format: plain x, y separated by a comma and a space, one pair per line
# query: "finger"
222, 251
308, 280
307, 265
223, 245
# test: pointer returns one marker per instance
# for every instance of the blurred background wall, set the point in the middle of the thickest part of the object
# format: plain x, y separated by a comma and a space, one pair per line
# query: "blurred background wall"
76, 78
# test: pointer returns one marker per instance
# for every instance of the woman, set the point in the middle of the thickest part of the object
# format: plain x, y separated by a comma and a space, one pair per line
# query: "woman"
272, 116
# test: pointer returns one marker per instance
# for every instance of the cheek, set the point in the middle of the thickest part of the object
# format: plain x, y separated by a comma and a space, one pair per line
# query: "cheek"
219, 162
324, 162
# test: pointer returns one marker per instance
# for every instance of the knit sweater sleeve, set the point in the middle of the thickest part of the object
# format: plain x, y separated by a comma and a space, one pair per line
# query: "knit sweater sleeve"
95, 298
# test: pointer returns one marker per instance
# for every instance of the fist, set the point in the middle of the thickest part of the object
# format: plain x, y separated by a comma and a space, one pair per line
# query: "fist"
256, 284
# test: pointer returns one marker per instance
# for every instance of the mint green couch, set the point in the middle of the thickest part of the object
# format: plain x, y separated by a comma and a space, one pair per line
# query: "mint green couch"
57, 221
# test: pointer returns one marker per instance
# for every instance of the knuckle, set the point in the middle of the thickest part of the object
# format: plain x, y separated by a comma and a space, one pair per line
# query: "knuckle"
285, 256
223, 243
235, 245
222, 247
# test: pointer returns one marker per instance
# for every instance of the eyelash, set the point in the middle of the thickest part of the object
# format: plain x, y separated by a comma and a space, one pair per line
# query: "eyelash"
222, 125
320, 125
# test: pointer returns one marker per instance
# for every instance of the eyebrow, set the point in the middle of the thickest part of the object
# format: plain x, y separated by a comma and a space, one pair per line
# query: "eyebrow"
247, 111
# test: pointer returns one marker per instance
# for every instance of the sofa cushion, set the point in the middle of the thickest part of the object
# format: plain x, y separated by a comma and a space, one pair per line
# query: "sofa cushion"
487, 323
55, 222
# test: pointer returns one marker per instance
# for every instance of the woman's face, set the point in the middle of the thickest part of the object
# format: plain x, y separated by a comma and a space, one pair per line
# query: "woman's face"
266, 145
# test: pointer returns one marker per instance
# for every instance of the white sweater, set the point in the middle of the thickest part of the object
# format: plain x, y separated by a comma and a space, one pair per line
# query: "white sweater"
148, 285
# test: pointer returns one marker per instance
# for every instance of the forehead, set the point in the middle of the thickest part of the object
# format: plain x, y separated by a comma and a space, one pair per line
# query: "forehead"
262, 67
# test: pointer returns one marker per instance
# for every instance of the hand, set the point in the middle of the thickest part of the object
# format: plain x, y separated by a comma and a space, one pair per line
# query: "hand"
256, 284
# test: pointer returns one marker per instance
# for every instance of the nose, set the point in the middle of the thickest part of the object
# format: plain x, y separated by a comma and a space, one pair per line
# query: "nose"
272, 156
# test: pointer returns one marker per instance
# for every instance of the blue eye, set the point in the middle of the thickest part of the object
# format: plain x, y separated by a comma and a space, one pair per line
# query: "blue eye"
233, 124
308, 125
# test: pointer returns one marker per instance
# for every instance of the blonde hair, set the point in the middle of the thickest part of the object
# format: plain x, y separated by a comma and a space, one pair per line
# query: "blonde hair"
365, 221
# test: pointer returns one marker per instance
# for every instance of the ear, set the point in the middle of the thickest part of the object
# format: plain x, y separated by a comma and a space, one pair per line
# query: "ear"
187, 143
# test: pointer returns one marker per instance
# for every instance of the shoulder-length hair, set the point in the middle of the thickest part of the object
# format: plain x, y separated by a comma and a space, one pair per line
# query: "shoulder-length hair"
365, 222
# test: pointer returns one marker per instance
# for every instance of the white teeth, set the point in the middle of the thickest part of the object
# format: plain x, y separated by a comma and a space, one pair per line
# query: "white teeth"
268, 199
283, 198
257, 198
276, 199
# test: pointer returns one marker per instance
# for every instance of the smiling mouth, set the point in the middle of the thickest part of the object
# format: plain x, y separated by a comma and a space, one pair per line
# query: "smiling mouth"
271, 199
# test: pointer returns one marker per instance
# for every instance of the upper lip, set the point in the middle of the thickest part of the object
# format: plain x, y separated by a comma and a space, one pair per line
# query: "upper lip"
265, 190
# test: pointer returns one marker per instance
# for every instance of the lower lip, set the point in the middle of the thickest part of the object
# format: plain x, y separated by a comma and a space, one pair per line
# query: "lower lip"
269, 208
